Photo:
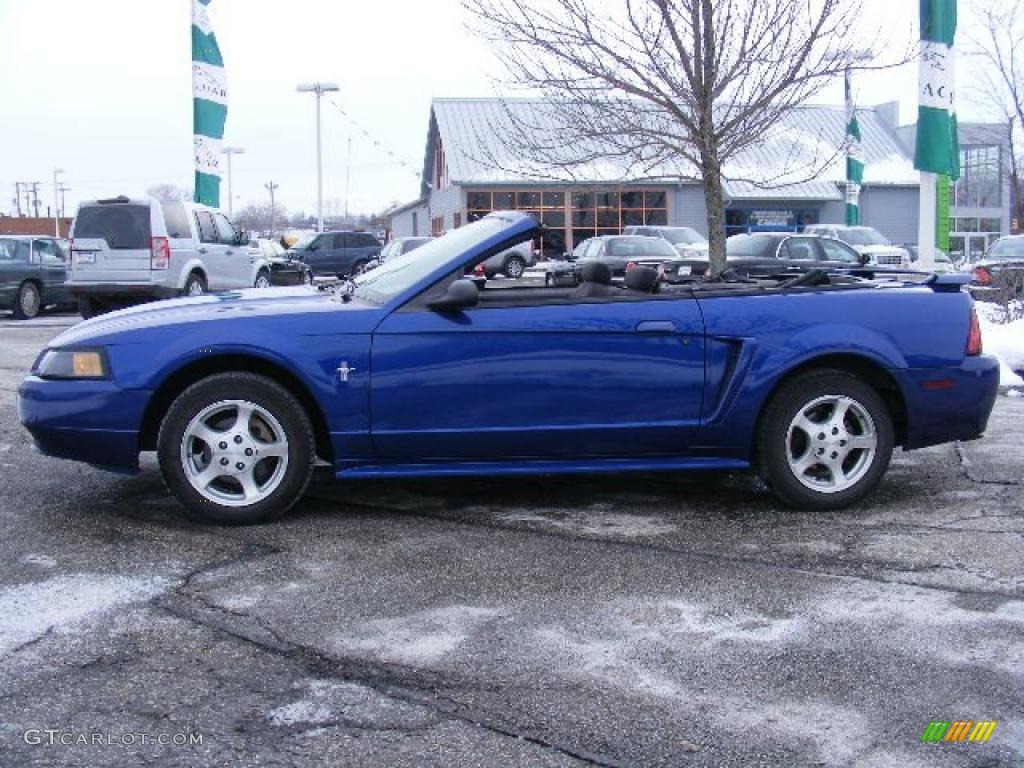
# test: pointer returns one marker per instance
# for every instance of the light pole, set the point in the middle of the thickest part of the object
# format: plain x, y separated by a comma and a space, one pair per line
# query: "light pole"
319, 89
56, 201
271, 187
854, 153
229, 151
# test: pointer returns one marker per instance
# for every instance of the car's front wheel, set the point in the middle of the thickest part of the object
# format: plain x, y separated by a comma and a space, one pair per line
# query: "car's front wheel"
515, 267
825, 440
236, 449
262, 279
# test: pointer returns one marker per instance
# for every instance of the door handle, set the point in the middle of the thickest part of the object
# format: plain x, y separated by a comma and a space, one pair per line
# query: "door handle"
203, 250
656, 326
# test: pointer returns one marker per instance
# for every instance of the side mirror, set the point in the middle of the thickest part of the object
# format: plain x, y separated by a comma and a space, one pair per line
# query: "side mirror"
462, 294
865, 259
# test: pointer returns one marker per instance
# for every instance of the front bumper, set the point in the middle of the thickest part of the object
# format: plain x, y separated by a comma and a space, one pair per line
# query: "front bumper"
947, 404
95, 422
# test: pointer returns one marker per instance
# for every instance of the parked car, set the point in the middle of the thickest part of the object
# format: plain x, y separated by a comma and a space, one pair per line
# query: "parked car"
282, 269
618, 251
688, 241
943, 264
31, 274
400, 246
511, 262
867, 241
341, 253
239, 393
125, 252
999, 276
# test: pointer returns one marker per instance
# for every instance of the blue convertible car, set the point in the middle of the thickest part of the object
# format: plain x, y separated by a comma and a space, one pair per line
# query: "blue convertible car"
413, 369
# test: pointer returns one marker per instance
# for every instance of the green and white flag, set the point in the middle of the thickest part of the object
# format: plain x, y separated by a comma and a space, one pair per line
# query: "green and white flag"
937, 149
854, 157
209, 105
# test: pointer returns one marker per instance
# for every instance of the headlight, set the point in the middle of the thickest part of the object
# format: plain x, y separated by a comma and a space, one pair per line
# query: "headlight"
73, 364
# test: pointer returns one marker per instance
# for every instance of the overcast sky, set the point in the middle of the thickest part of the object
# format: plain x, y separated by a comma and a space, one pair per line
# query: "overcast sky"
102, 89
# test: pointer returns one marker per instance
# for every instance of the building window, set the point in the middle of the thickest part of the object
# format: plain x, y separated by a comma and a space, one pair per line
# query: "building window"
456, 220
578, 214
980, 182
440, 166
437, 226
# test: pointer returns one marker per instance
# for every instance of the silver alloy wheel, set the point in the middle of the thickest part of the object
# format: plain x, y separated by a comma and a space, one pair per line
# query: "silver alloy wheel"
195, 287
262, 281
30, 300
514, 268
234, 453
831, 443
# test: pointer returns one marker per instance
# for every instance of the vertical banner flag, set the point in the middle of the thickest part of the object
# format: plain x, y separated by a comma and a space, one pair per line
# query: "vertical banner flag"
209, 105
937, 149
854, 157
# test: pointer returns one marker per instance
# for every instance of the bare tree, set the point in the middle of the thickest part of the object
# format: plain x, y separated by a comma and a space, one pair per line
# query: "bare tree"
683, 85
999, 44
258, 217
168, 193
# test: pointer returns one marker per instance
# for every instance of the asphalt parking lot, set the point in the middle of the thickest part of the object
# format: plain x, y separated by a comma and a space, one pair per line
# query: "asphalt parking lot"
612, 621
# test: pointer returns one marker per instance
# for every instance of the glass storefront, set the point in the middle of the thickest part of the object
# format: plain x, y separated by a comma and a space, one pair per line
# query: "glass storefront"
979, 183
572, 216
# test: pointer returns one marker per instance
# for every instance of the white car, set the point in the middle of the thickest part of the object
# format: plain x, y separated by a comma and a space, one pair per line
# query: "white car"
125, 251
690, 243
867, 241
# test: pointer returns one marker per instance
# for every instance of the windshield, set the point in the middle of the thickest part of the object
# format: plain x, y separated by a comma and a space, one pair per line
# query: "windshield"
863, 236
683, 236
402, 272
1010, 248
304, 243
747, 245
625, 247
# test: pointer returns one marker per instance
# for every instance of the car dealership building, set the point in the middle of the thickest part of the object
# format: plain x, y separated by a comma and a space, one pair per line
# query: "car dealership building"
470, 168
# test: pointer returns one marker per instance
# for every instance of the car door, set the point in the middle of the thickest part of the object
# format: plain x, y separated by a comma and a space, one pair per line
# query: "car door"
211, 251
800, 253
616, 378
238, 260
50, 260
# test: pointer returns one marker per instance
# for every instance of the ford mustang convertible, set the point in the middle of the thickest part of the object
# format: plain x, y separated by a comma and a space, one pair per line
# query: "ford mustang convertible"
413, 370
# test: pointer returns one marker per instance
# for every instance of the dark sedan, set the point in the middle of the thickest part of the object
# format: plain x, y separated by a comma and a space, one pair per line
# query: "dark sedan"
1000, 275
31, 274
284, 268
619, 251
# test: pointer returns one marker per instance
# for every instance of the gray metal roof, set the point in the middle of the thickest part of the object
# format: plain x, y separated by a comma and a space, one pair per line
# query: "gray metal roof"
801, 159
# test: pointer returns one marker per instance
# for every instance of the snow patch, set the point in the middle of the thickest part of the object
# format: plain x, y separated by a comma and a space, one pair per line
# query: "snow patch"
302, 711
420, 638
43, 561
1003, 339
28, 611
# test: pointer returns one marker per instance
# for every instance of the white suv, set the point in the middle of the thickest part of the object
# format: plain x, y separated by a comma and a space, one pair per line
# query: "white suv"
867, 241
124, 252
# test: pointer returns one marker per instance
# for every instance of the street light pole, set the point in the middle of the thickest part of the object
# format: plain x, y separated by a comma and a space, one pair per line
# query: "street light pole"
271, 187
56, 201
319, 89
229, 151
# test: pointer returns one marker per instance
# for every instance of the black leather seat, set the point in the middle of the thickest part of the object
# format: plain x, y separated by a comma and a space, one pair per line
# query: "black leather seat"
642, 280
597, 281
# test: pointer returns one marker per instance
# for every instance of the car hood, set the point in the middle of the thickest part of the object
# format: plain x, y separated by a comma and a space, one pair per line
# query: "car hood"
997, 264
248, 305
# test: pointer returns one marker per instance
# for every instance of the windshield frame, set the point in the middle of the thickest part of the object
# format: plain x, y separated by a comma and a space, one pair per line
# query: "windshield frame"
1017, 244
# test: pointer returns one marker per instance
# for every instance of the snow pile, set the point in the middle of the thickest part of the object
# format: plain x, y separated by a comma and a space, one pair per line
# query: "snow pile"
1003, 339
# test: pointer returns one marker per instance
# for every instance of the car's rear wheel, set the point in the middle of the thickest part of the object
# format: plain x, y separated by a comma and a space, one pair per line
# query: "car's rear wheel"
514, 267
262, 279
236, 449
195, 285
825, 440
28, 301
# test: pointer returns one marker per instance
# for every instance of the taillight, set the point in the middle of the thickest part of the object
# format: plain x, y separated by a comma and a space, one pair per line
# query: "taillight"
630, 264
160, 250
478, 270
981, 276
974, 335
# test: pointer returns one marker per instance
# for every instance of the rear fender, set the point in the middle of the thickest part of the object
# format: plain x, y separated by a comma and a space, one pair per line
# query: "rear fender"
190, 266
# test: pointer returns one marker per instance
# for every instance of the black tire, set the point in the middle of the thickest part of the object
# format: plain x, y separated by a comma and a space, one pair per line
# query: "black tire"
264, 275
195, 285
549, 280
358, 267
307, 277
28, 301
266, 394
88, 308
514, 267
773, 440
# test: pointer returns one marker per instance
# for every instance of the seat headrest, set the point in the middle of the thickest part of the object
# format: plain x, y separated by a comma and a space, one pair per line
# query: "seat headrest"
642, 279
596, 272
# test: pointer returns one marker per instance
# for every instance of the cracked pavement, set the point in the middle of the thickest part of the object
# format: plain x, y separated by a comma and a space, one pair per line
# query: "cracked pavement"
614, 621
